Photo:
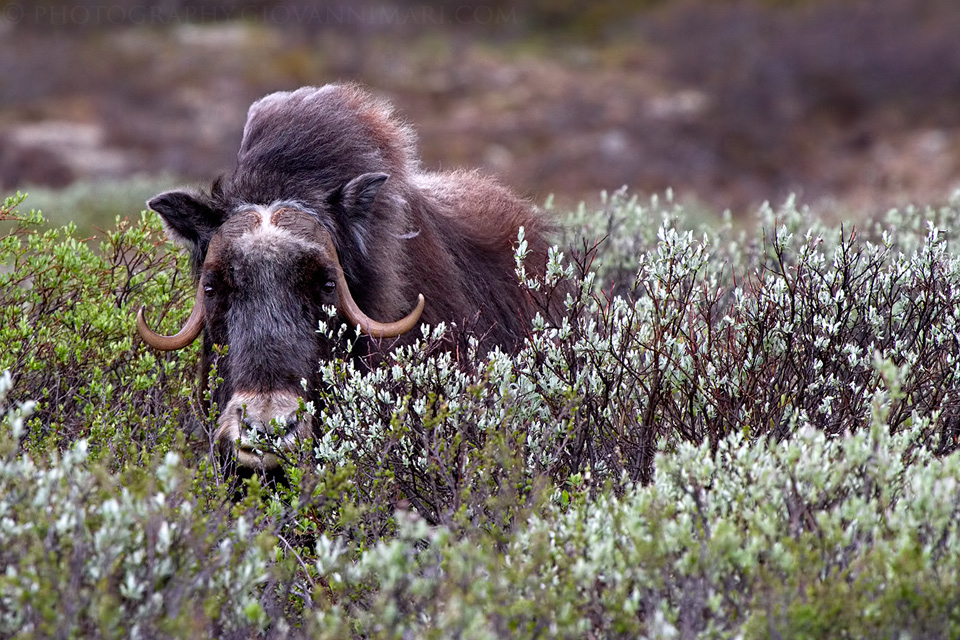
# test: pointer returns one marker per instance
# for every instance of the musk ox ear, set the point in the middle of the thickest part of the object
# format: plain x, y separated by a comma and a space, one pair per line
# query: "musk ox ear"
357, 196
189, 219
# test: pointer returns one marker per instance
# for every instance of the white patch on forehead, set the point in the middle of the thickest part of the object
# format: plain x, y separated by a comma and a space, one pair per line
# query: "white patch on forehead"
268, 237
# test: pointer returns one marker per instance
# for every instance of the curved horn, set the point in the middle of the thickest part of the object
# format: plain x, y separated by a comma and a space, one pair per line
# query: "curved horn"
191, 329
348, 307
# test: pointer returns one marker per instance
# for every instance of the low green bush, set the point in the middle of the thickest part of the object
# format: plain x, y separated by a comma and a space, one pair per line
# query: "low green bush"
726, 433
66, 308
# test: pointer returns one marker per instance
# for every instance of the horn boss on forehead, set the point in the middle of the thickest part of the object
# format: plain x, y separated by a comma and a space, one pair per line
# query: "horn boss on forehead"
345, 304
328, 205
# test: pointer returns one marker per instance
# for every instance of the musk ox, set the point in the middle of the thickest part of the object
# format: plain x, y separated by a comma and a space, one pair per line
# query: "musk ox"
327, 206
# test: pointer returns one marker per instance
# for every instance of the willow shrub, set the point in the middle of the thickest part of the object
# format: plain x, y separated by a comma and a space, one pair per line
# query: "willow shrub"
66, 306
726, 434
90, 553
813, 537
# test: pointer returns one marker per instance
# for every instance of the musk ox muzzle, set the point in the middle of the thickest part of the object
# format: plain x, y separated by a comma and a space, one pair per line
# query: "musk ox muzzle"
256, 427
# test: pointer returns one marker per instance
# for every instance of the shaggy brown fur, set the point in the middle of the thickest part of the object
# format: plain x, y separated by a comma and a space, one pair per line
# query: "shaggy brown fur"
341, 160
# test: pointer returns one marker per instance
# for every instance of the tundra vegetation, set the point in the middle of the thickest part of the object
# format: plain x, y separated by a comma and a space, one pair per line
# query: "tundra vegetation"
729, 433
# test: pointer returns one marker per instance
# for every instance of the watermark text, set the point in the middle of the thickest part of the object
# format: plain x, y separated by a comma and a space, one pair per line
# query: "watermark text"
289, 15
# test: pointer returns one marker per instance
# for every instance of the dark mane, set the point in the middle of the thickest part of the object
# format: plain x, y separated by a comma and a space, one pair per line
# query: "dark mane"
303, 144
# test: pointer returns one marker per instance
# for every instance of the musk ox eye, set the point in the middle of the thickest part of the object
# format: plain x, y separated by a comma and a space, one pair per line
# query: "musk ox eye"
329, 286
212, 287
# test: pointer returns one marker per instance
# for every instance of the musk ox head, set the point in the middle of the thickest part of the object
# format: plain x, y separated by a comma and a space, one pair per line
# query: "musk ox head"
307, 219
266, 275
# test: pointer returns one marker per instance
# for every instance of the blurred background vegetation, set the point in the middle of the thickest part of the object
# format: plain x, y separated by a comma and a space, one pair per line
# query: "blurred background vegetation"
852, 104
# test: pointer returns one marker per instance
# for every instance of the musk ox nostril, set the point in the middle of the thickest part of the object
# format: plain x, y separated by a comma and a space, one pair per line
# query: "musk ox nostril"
249, 424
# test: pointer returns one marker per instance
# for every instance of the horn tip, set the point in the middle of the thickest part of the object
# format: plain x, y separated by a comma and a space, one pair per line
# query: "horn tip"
141, 318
